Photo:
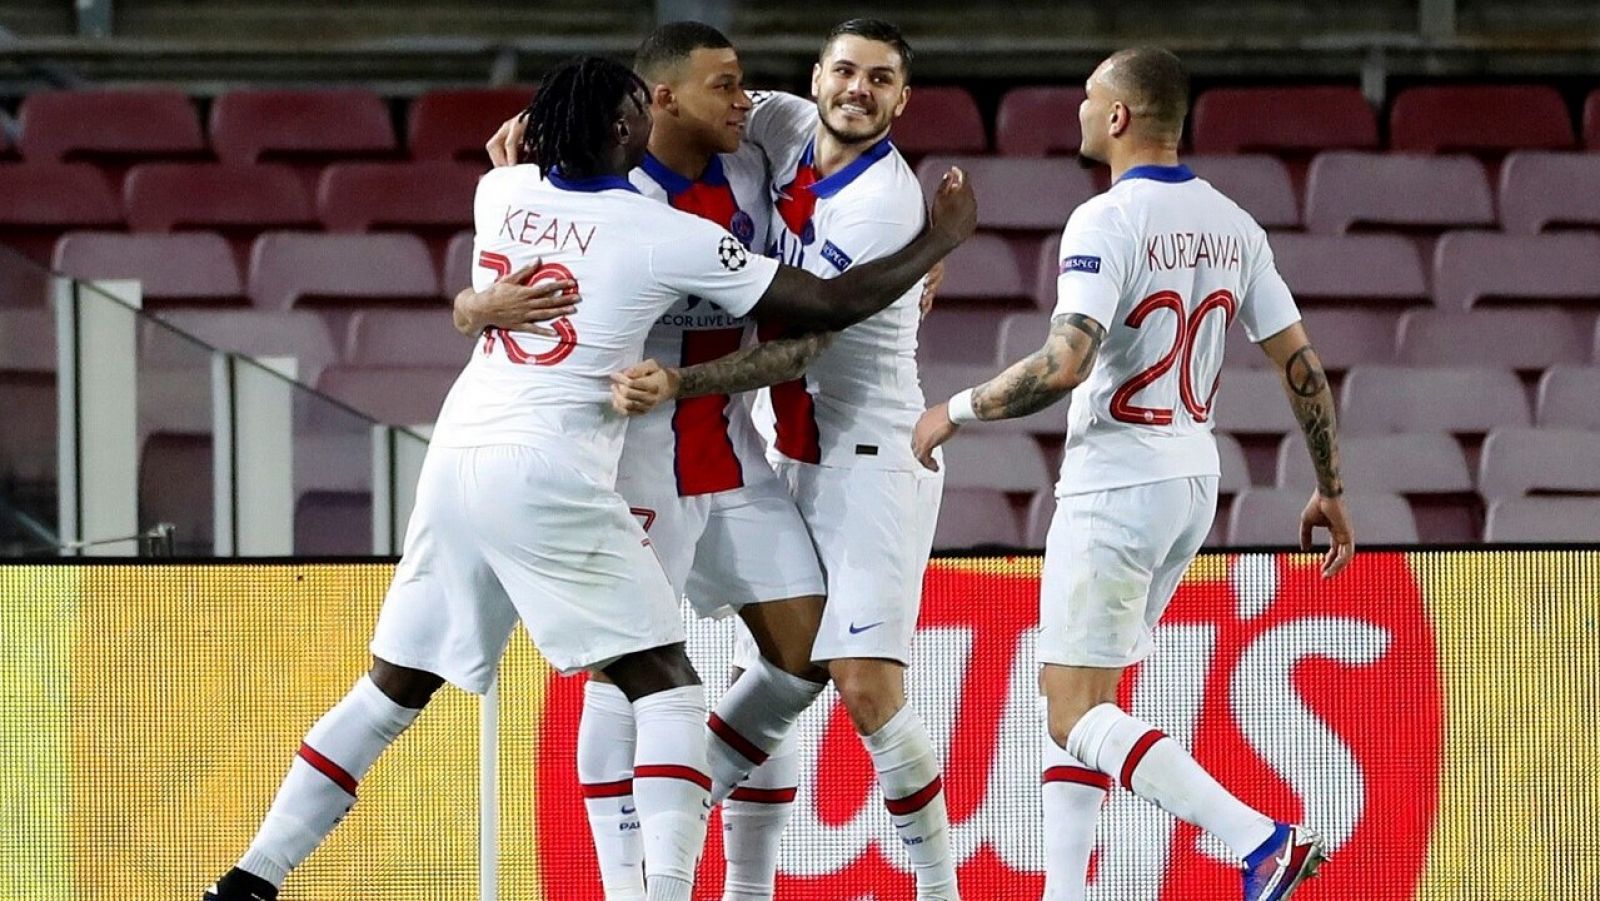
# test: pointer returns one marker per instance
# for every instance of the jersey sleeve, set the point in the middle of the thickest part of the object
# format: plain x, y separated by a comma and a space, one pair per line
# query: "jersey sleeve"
703, 260
1267, 307
1093, 266
779, 121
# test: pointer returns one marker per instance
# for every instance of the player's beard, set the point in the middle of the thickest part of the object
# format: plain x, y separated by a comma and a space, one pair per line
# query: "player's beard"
879, 129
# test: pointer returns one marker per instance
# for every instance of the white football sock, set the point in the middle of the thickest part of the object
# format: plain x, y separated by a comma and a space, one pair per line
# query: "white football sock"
321, 785
605, 777
751, 720
753, 818
1159, 770
909, 775
1072, 794
670, 786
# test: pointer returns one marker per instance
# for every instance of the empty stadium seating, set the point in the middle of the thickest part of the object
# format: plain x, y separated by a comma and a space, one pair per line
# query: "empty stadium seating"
1530, 339
1351, 269
27, 381
1463, 399
1542, 519
253, 126
356, 197
1536, 191
1409, 463
1346, 190
38, 201
192, 268
396, 395
1302, 119
976, 516
1038, 121
1569, 398
1259, 184
458, 262
1252, 401
1271, 516
243, 198
448, 125
1518, 461
293, 269
1001, 461
405, 338
256, 333
940, 120
1473, 267
64, 126
1477, 118
1020, 335
1591, 120
940, 380
1344, 337
1035, 194
985, 270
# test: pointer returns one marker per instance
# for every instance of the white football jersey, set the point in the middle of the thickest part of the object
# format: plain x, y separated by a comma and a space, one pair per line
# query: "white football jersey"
714, 444
633, 258
860, 399
1165, 263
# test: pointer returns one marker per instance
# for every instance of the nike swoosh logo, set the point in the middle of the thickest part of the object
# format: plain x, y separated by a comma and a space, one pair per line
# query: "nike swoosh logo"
629, 810
1288, 853
857, 630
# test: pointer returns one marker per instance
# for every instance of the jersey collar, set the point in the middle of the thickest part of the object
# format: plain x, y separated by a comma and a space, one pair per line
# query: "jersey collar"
675, 184
1170, 174
590, 185
836, 182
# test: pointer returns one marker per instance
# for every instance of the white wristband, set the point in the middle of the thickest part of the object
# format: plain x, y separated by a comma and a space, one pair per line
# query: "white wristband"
960, 407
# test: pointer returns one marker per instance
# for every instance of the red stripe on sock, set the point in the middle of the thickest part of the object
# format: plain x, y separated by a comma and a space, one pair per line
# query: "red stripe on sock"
738, 742
673, 771
1078, 775
335, 773
764, 795
1136, 756
912, 803
618, 789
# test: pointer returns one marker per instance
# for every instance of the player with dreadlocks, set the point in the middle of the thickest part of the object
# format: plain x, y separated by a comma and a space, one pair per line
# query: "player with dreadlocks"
516, 514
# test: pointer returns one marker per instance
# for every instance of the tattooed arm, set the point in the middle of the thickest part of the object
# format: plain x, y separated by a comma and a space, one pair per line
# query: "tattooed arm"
1306, 385
642, 388
1028, 386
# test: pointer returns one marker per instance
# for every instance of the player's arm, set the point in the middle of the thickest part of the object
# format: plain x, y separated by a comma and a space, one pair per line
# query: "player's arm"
642, 388
807, 303
1027, 386
511, 304
1306, 385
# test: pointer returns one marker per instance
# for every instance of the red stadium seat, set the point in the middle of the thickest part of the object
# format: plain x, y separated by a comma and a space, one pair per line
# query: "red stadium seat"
1476, 118
291, 269
1567, 398
448, 125
1351, 268
1542, 519
1240, 120
1347, 189
406, 338
1472, 267
62, 126
1346, 338
1518, 461
1034, 194
1411, 463
403, 396
1591, 120
1252, 401
1039, 121
1536, 191
360, 196
1378, 400
164, 196
1271, 516
940, 120
251, 126
457, 265
1258, 184
975, 517
1526, 339
984, 269
254, 333
187, 268
39, 201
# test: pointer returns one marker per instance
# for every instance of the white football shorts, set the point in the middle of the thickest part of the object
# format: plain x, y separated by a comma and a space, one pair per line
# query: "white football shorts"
505, 532
1112, 561
873, 530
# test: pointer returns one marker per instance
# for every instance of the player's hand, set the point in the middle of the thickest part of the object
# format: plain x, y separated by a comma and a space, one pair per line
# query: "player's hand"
955, 208
933, 429
930, 287
641, 388
1329, 513
511, 304
506, 145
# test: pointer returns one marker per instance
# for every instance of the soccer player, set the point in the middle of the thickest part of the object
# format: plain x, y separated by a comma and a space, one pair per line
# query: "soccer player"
516, 514
1152, 273
842, 196
726, 530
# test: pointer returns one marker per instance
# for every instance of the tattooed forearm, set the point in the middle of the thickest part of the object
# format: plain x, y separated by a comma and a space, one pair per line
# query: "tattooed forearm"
771, 363
1312, 401
1044, 376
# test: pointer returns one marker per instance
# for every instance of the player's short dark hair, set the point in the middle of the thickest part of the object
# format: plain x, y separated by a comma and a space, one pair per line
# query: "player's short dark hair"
874, 30
570, 118
1158, 78
672, 43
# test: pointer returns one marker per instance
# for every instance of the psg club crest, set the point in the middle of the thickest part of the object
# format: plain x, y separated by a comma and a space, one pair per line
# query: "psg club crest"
732, 254
743, 227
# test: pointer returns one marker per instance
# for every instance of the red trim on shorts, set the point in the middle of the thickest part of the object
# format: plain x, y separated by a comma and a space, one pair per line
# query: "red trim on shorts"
764, 795
1136, 756
336, 774
917, 800
734, 740
672, 771
618, 789
1077, 775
